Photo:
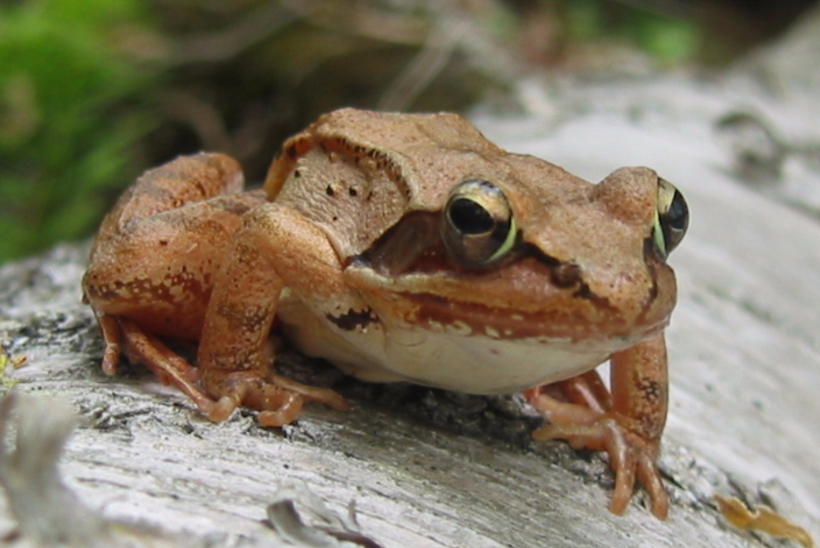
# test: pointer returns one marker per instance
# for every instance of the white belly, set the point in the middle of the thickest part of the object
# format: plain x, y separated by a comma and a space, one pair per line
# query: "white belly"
475, 364
444, 358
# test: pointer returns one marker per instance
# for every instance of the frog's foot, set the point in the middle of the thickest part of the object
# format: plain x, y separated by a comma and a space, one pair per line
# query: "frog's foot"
169, 367
631, 455
278, 399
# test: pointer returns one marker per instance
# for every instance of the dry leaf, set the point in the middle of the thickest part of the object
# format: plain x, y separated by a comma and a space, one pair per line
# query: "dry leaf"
762, 519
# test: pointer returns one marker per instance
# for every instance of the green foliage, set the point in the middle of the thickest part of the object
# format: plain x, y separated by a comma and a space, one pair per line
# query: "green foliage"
669, 40
67, 117
665, 38
585, 19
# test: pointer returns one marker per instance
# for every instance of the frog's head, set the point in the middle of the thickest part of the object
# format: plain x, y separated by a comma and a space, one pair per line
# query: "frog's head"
519, 248
440, 227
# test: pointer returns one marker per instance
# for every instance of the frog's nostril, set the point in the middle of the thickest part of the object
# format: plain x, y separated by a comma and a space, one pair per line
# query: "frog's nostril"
566, 275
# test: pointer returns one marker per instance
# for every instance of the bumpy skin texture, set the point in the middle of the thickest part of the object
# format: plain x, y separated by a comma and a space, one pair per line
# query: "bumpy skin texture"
345, 251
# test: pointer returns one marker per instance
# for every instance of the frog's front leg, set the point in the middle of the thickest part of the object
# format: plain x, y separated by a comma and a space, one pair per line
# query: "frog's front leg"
276, 248
628, 425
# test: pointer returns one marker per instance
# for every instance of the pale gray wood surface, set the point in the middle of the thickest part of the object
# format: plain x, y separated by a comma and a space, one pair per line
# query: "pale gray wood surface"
436, 470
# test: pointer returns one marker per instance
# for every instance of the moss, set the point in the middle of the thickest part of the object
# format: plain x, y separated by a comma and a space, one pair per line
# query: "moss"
67, 117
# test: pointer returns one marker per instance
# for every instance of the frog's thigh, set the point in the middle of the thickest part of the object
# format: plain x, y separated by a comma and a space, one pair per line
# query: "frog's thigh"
159, 270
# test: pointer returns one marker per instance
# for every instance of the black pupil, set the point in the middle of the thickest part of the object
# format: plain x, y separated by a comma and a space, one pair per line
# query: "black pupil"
469, 217
676, 216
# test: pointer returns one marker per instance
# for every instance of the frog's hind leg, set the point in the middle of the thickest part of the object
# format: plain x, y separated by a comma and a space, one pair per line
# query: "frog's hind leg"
280, 398
171, 368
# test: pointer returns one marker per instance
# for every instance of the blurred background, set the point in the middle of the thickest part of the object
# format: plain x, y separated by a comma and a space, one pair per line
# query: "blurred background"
92, 92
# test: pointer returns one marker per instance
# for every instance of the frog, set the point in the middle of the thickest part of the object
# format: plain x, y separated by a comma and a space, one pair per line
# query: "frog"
403, 248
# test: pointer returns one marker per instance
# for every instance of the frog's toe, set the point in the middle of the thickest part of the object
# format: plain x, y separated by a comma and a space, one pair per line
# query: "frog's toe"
110, 328
631, 457
111, 359
329, 397
650, 478
278, 399
222, 409
277, 406
285, 413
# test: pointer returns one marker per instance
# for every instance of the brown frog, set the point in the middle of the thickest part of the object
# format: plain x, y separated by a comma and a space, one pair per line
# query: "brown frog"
403, 247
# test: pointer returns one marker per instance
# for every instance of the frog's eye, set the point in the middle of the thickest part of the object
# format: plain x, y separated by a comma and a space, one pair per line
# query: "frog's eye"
671, 218
478, 225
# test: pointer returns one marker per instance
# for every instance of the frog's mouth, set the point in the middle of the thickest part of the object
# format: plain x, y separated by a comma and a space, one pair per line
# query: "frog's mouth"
560, 324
